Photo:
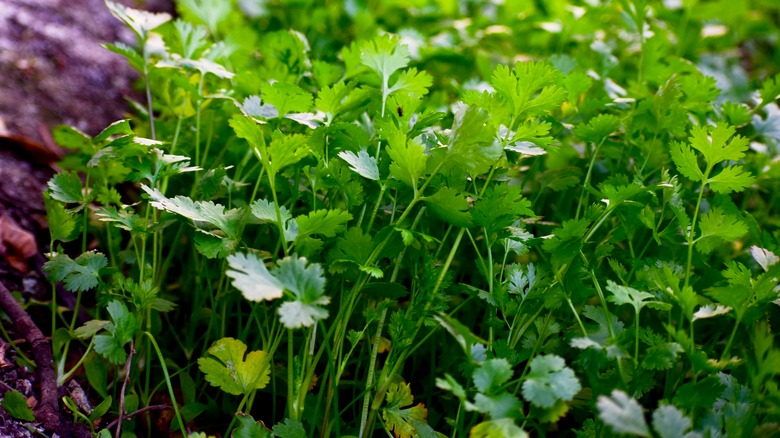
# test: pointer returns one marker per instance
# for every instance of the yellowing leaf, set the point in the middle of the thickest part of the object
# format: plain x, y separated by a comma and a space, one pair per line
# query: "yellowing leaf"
403, 421
226, 368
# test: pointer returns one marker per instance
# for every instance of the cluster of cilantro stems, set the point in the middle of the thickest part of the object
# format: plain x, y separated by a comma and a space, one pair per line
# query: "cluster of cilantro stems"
343, 237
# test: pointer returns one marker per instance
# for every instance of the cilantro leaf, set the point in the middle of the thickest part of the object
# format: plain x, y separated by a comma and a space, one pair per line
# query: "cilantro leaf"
492, 374
286, 97
662, 356
449, 205
712, 143
770, 89
361, 163
412, 81
62, 224
286, 150
15, 404
685, 159
325, 222
200, 212
66, 187
227, 368
529, 88
249, 428
502, 405
307, 284
289, 429
500, 428
669, 422
404, 422
731, 179
764, 257
79, 274
598, 128
499, 208
251, 277
408, 159
472, 142
141, 22
550, 380
628, 295
122, 329
717, 226
710, 311
622, 413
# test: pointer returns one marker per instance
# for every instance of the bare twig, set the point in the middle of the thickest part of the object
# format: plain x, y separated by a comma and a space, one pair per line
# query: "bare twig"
128, 364
48, 412
139, 412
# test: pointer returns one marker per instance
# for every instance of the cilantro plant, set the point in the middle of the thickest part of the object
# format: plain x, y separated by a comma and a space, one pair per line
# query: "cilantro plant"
477, 219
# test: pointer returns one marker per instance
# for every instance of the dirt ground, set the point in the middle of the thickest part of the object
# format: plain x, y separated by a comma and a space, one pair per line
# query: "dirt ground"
52, 71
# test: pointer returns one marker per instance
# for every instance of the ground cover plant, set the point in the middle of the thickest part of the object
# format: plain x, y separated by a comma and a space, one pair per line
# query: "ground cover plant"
428, 218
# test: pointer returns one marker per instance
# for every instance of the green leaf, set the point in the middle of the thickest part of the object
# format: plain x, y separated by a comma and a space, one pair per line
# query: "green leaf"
328, 223
252, 279
412, 81
712, 143
361, 163
286, 97
226, 367
622, 413
528, 88
628, 295
701, 394
598, 128
90, 328
286, 150
331, 99
501, 428
662, 356
669, 422
566, 241
716, 227
731, 179
502, 405
72, 138
384, 55
15, 404
62, 224
408, 160
122, 330
472, 142
770, 89
685, 159
499, 208
550, 380
200, 212
132, 56
450, 206
492, 374
289, 429
79, 274
403, 421
248, 129
210, 12
66, 187
307, 284
249, 428
124, 219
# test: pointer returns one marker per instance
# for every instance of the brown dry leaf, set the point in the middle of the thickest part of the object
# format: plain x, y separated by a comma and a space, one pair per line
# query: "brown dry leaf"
16, 244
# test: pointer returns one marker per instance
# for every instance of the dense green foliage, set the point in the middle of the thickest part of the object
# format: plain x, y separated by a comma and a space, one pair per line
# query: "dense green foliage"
432, 218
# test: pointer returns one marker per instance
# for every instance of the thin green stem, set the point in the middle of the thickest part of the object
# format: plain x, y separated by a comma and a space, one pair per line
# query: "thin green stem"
171, 394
